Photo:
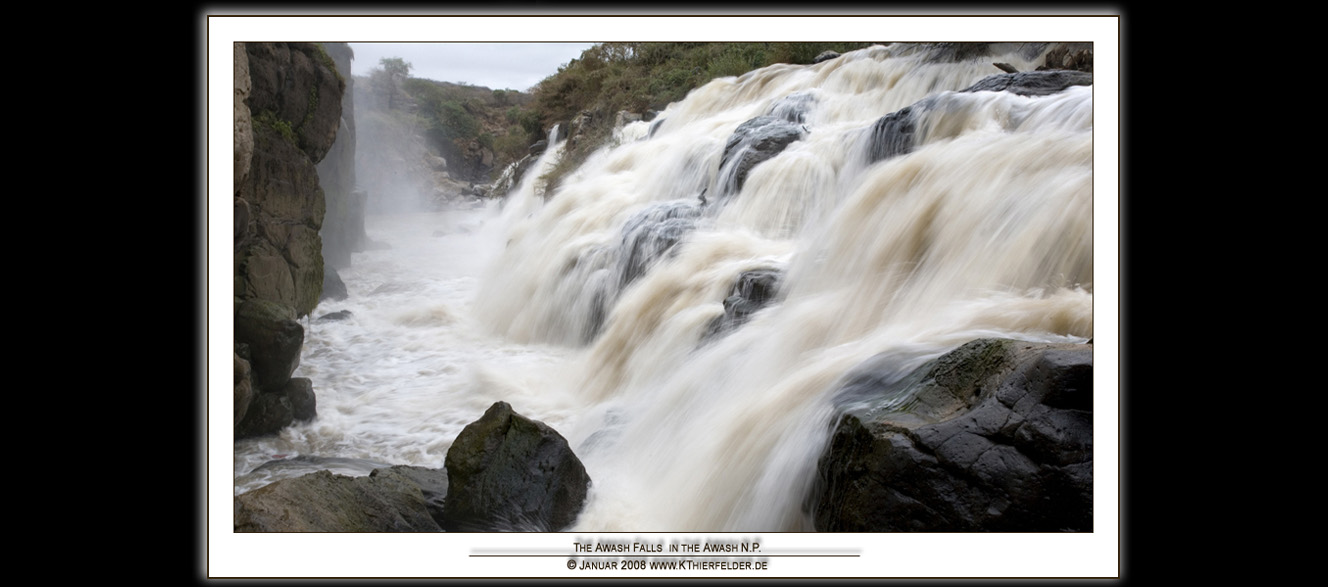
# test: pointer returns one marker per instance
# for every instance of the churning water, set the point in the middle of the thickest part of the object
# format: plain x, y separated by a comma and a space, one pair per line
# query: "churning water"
598, 308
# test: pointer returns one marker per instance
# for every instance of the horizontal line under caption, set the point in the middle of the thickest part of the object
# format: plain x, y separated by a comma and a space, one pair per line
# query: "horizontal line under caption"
674, 555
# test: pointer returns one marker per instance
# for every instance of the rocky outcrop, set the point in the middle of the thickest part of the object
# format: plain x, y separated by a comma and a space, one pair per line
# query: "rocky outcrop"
508, 472
287, 111
396, 499
996, 436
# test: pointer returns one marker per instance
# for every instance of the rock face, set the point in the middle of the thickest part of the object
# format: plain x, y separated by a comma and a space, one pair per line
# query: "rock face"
343, 225
295, 108
287, 111
508, 472
396, 499
995, 436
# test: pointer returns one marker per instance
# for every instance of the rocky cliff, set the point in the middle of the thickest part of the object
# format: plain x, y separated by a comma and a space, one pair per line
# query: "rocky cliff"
343, 225
287, 111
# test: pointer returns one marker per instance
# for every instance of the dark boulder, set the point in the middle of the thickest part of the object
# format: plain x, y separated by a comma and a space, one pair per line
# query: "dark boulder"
268, 413
894, 134
995, 436
274, 339
752, 291
397, 499
752, 143
300, 391
508, 472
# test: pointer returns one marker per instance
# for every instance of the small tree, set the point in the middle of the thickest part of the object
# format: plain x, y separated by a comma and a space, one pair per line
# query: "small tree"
387, 78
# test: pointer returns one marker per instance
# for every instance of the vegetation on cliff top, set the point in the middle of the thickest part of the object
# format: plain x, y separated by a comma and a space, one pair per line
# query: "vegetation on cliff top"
641, 77
606, 79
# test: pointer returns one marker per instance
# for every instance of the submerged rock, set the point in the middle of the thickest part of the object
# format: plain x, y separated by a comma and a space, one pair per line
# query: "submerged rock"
508, 472
396, 499
995, 436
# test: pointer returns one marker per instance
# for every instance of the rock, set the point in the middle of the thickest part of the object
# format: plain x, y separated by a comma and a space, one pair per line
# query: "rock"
335, 316
268, 413
333, 287
274, 339
508, 472
1074, 56
539, 147
623, 118
241, 219
751, 144
243, 124
793, 107
295, 105
752, 291
300, 392
398, 499
244, 389
1032, 83
825, 56
897, 133
894, 134
994, 436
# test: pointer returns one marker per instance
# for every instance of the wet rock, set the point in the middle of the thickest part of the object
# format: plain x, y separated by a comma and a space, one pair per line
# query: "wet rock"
300, 392
398, 499
1032, 83
752, 291
751, 144
793, 107
244, 390
894, 134
825, 56
274, 339
335, 316
268, 413
508, 472
995, 436
333, 287
651, 235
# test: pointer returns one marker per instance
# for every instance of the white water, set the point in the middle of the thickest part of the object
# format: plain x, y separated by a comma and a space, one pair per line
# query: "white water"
984, 230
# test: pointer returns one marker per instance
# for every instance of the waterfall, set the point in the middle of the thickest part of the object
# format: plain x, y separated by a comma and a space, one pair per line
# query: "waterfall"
685, 305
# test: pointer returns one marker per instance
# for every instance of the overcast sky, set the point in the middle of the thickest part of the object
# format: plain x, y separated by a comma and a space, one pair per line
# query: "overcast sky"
497, 66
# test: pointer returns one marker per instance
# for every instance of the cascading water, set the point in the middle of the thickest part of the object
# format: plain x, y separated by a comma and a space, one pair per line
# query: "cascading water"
623, 310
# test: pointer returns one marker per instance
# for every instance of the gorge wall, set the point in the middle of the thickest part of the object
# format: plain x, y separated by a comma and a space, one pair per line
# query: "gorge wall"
287, 112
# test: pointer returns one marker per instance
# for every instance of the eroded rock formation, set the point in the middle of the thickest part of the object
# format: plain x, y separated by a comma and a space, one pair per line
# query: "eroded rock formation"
996, 436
